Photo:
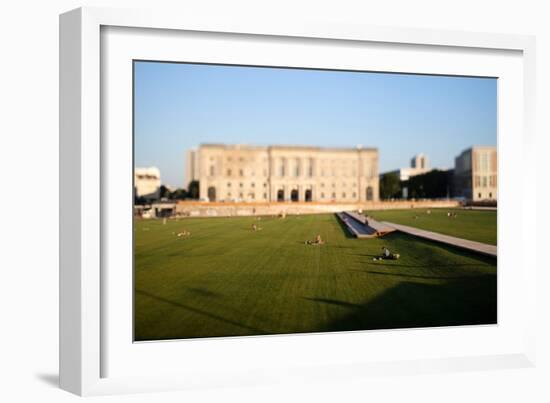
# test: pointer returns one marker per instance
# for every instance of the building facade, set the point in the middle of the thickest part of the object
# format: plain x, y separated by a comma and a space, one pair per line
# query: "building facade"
287, 173
147, 183
476, 174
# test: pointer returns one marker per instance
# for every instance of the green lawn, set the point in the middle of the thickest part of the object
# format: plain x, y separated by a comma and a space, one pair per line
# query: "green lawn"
475, 225
226, 280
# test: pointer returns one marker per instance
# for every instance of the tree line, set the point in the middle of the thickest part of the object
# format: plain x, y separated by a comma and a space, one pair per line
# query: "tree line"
430, 185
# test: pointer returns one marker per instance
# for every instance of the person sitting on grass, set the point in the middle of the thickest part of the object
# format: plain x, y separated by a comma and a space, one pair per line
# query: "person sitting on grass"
387, 254
317, 241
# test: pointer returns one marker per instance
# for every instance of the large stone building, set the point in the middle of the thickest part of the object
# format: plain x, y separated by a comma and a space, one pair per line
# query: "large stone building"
287, 173
476, 174
147, 183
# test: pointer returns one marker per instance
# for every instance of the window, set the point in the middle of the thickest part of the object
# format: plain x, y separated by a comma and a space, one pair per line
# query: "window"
212, 170
490, 195
484, 181
333, 195
322, 185
228, 194
370, 193
344, 195
241, 172
354, 195
229, 172
228, 184
241, 195
265, 196
479, 195
241, 185
297, 167
322, 195
253, 184
484, 162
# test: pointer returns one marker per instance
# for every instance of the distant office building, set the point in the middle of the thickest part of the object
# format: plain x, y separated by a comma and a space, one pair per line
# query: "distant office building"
419, 165
147, 183
287, 173
476, 174
191, 166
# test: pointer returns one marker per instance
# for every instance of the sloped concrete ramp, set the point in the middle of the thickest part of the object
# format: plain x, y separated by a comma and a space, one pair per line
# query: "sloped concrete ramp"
361, 227
483, 248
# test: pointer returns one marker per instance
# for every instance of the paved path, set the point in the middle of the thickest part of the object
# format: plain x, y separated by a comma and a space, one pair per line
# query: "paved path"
486, 249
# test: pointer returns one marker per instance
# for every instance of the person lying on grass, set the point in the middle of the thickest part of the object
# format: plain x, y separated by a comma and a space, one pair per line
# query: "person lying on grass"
256, 228
316, 241
387, 254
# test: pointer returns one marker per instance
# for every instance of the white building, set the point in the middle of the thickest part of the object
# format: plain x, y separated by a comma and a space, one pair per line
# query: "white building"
147, 183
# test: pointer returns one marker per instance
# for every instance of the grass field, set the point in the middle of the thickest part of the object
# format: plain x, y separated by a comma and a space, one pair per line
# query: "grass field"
475, 225
226, 280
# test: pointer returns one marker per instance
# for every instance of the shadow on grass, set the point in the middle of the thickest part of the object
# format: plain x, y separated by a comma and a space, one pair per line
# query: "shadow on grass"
203, 292
393, 274
396, 264
470, 301
333, 302
199, 311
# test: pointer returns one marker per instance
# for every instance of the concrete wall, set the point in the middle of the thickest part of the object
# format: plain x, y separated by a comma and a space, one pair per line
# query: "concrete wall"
206, 209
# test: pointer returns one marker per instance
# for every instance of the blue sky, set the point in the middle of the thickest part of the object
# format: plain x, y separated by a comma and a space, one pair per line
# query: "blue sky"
179, 106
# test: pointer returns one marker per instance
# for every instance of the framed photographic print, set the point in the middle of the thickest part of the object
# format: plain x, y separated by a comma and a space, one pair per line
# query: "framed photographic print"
247, 202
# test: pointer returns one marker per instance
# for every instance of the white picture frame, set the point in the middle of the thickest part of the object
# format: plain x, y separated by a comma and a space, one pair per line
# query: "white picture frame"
87, 342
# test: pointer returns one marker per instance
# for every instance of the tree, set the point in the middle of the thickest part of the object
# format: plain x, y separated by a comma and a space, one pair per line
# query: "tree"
193, 190
164, 192
390, 186
140, 201
431, 185
179, 194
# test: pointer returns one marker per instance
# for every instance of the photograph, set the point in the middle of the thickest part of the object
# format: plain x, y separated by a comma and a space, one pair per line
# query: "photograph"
273, 200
